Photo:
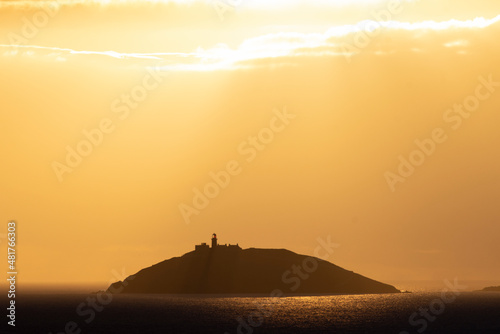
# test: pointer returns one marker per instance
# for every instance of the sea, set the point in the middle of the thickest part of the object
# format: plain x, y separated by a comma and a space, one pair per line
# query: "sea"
406, 313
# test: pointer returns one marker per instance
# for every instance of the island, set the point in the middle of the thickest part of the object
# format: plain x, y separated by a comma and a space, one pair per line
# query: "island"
229, 269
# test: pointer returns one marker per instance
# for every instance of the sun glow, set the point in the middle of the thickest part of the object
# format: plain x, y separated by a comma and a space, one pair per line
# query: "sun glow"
335, 41
364, 81
264, 4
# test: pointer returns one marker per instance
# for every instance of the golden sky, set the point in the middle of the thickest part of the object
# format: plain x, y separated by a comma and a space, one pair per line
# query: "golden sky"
180, 91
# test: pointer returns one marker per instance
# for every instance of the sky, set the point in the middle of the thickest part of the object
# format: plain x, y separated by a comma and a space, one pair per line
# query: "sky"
132, 130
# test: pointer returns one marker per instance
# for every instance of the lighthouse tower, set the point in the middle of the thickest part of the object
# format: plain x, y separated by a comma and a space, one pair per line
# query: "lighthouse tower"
226, 247
214, 240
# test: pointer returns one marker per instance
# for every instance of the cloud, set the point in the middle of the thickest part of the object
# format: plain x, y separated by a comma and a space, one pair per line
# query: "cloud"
283, 47
263, 4
29, 50
457, 43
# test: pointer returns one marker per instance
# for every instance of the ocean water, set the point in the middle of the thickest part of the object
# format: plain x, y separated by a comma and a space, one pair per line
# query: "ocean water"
469, 312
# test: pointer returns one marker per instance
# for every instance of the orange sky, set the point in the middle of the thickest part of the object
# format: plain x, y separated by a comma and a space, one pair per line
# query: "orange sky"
178, 93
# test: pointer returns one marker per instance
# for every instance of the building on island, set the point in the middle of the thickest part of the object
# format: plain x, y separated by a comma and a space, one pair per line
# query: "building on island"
204, 247
201, 247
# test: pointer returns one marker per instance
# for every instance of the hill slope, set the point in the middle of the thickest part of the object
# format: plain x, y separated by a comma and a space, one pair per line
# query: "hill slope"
248, 271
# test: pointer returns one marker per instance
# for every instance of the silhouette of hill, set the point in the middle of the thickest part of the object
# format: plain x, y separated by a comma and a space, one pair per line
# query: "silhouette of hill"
492, 288
236, 271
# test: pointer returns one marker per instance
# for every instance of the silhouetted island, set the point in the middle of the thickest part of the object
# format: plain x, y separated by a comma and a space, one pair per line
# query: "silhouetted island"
228, 269
492, 288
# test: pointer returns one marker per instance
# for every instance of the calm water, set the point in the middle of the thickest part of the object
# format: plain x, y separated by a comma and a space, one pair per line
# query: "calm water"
472, 312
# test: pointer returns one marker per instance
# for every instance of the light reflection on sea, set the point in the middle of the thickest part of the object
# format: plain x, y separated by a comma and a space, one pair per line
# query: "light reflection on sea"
471, 312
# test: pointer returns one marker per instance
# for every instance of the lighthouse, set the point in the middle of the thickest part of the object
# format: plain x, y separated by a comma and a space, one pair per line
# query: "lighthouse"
226, 247
214, 240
